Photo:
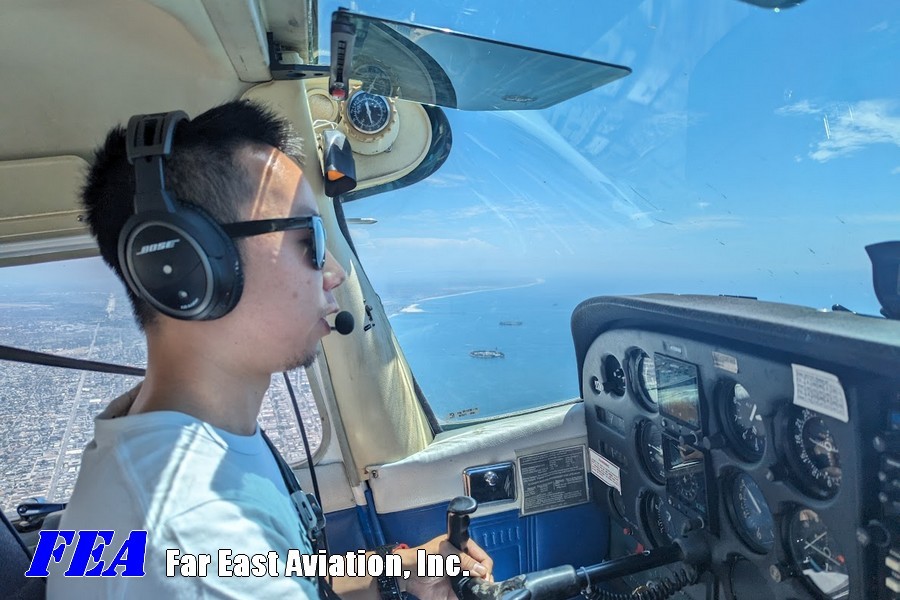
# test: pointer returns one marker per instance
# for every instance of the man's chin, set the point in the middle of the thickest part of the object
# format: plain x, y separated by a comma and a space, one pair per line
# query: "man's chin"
302, 361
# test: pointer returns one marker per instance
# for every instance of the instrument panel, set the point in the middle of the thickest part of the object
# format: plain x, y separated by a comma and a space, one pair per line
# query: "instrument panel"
768, 441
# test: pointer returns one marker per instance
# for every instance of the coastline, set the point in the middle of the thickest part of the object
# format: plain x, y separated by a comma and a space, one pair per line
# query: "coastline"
415, 307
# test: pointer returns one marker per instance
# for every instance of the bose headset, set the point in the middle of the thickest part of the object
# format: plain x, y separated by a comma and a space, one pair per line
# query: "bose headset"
173, 254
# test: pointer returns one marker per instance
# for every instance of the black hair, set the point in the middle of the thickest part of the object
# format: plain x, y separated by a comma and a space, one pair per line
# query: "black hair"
204, 169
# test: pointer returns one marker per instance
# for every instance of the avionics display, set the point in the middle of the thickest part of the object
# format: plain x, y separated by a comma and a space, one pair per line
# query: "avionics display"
677, 390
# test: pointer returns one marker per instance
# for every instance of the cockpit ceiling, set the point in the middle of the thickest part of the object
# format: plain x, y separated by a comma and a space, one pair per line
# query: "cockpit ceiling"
71, 70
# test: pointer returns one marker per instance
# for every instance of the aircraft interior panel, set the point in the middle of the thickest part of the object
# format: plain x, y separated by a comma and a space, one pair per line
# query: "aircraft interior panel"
762, 435
519, 537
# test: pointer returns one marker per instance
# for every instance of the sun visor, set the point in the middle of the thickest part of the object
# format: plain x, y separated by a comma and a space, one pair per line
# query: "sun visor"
455, 70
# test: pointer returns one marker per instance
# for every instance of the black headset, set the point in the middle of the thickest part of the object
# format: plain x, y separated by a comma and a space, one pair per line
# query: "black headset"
172, 254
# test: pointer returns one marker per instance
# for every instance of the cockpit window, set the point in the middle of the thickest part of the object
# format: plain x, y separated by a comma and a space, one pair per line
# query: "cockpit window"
77, 309
751, 152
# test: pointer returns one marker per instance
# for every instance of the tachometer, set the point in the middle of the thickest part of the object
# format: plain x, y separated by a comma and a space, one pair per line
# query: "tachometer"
749, 512
816, 555
811, 452
741, 420
649, 442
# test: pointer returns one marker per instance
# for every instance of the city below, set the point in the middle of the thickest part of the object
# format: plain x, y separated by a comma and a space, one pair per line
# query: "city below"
47, 413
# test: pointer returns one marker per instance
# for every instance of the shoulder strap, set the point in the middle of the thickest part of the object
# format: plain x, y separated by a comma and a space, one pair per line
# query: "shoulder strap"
312, 519
311, 516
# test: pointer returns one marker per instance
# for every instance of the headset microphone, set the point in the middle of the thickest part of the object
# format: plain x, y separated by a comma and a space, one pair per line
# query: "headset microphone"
343, 323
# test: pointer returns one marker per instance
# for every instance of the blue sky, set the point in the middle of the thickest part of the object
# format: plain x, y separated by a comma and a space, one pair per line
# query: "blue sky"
750, 152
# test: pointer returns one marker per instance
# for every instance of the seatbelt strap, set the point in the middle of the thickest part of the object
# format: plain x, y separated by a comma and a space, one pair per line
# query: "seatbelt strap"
312, 519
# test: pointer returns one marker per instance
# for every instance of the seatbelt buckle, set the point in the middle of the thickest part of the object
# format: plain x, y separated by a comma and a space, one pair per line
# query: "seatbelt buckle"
312, 519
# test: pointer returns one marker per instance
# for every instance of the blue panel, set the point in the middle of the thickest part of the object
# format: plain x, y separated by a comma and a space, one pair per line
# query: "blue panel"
344, 532
576, 536
503, 537
415, 526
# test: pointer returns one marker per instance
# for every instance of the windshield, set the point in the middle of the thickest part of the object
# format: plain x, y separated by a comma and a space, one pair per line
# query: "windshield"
751, 152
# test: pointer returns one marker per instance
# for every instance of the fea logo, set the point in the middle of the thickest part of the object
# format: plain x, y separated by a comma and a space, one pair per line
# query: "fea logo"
86, 558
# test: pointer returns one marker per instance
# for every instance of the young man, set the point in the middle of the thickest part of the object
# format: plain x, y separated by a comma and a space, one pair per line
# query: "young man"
181, 456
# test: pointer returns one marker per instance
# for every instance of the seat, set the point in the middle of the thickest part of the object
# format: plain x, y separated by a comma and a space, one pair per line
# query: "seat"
14, 561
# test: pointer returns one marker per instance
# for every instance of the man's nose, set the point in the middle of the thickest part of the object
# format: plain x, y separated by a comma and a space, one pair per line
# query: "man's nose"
333, 273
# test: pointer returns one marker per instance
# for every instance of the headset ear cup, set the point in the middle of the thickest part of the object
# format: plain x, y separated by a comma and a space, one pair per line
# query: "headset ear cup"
223, 255
183, 264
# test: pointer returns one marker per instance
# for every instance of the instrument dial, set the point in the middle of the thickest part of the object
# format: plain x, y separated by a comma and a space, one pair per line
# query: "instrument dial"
375, 79
741, 420
816, 555
687, 486
368, 113
749, 512
812, 453
617, 503
642, 372
658, 520
651, 452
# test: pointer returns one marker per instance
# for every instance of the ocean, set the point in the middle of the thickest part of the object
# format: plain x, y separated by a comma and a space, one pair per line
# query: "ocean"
538, 367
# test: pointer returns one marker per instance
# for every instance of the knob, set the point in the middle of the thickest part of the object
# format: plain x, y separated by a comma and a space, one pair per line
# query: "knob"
714, 441
887, 442
491, 479
692, 525
458, 521
874, 534
691, 439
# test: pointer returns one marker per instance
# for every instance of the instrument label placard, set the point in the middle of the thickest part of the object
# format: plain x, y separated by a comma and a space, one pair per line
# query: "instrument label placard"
726, 362
553, 479
605, 470
820, 391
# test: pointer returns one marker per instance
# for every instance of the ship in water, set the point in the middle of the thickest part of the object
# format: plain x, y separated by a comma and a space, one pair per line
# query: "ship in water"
486, 354
510, 323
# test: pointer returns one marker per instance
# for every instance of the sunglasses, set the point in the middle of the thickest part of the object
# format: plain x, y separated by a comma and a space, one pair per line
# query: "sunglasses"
313, 223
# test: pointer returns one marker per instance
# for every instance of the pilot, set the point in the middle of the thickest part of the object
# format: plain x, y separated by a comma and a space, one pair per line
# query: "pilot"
181, 455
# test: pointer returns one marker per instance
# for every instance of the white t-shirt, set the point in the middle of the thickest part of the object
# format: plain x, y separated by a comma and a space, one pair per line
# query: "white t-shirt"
192, 487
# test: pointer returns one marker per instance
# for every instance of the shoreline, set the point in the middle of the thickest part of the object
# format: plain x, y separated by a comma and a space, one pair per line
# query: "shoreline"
413, 307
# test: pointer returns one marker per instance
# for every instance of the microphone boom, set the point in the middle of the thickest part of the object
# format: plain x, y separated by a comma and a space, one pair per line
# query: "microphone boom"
343, 323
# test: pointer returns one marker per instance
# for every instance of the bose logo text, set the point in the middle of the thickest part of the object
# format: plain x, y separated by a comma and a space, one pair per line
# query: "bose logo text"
89, 547
167, 245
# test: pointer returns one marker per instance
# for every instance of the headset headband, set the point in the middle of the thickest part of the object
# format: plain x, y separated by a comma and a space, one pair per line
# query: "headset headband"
147, 141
